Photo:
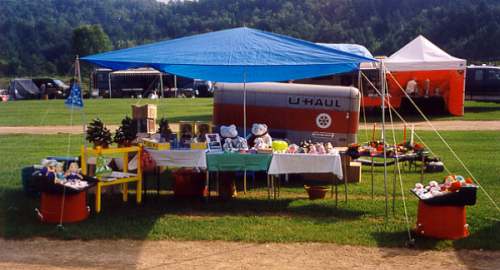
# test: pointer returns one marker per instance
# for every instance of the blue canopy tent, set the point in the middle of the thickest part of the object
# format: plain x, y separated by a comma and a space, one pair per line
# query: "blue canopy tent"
234, 55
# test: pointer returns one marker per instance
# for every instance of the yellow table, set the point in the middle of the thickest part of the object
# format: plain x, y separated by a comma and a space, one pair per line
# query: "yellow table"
86, 152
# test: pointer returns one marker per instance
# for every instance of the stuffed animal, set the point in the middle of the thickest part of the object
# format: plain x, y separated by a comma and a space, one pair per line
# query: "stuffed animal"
231, 141
293, 148
279, 146
329, 148
260, 138
320, 148
311, 149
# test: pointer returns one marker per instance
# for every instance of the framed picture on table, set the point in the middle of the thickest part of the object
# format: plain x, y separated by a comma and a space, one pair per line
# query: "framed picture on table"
213, 142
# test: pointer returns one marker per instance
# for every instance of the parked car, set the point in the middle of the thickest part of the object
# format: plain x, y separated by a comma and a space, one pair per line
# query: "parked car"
53, 88
482, 83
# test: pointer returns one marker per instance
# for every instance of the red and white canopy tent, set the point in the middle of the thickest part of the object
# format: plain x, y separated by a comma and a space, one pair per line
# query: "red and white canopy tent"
424, 61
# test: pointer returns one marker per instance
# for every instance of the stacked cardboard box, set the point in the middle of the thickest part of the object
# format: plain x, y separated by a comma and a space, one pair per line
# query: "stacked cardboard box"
146, 117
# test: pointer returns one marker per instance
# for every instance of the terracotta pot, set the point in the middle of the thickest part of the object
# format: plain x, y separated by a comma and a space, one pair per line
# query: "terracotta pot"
316, 192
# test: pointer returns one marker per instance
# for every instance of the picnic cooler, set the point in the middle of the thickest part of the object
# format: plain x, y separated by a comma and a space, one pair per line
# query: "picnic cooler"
444, 217
188, 183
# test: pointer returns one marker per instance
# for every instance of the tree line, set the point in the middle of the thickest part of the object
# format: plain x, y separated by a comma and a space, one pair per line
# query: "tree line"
42, 37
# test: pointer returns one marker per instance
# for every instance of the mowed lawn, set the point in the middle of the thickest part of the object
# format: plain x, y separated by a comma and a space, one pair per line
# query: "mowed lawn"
292, 218
53, 112
111, 111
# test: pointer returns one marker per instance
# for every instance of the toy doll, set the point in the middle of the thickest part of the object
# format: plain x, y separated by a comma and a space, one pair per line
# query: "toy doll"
59, 172
73, 172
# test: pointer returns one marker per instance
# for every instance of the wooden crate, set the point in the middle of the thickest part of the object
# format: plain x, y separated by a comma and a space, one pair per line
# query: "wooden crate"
354, 172
144, 112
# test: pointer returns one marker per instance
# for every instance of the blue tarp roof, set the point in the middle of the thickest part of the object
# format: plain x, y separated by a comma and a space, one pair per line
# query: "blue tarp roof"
234, 55
350, 48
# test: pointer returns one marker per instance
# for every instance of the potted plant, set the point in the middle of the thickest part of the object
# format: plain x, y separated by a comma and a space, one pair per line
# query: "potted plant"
98, 134
126, 133
164, 130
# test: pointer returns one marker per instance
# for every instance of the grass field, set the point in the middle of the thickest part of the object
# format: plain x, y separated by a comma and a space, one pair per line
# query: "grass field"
292, 218
53, 112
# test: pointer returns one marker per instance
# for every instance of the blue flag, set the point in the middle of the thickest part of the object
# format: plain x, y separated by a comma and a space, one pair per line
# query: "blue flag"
74, 99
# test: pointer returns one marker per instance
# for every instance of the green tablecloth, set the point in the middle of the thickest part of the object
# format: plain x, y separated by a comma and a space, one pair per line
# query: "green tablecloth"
238, 162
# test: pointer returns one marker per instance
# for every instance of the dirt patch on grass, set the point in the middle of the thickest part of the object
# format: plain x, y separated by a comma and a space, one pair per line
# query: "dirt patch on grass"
439, 125
129, 254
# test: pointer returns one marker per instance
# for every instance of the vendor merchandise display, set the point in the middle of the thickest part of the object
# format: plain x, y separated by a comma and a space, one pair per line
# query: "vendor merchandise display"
451, 184
308, 147
54, 173
230, 139
260, 138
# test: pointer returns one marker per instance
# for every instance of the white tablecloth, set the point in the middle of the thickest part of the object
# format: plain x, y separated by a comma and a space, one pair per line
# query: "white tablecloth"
179, 158
305, 163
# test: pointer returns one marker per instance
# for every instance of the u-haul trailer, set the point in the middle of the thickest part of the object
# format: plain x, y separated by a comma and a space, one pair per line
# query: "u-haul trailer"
293, 111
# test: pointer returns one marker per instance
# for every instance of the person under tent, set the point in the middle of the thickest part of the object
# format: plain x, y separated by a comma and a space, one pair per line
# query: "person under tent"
412, 87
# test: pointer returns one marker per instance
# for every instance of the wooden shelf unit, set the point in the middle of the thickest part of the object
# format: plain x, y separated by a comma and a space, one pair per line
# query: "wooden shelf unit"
88, 152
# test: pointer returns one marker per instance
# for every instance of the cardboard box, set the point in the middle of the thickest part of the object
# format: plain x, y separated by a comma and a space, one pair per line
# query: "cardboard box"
144, 112
198, 146
354, 172
155, 145
151, 126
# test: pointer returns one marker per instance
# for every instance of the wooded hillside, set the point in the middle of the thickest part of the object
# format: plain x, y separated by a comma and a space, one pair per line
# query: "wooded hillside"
36, 35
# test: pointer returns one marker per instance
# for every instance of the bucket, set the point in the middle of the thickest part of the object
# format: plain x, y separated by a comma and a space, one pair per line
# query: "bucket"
75, 207
316, 192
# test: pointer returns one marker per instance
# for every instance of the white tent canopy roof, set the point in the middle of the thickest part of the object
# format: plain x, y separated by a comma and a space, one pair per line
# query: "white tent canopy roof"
421, 54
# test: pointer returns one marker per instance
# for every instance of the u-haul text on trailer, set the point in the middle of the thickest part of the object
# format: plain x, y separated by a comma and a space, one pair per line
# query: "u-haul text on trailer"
293, 111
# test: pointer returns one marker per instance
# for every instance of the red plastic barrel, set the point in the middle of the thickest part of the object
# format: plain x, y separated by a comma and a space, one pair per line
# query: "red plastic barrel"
75, 207
442, 222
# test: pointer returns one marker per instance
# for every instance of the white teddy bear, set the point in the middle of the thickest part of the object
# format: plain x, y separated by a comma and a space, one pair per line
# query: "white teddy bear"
231, 140
260, 138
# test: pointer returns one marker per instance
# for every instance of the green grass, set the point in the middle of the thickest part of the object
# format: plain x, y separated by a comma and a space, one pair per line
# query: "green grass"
54, 112
473, 111
253, 218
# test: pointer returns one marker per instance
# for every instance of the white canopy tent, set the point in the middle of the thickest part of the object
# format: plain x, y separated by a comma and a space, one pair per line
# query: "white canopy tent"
421, 54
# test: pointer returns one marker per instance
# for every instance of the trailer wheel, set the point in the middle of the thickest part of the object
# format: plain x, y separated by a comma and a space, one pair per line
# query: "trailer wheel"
323, 120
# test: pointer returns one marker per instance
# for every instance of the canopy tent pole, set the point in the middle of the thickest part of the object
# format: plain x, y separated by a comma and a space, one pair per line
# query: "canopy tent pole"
109, 83
175, 85
161, 84
383, 88
244, 104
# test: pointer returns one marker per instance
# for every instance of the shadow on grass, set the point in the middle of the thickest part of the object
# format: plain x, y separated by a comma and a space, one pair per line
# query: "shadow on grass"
131, 221
481, 109
487, 238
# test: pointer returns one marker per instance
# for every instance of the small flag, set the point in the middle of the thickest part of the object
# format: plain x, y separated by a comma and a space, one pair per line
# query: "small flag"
74, 99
